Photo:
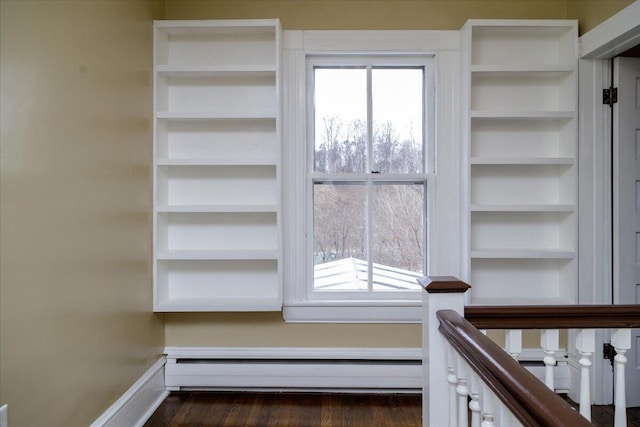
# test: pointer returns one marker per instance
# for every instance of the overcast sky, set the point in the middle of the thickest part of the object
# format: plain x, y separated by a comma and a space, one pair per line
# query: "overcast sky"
396, 95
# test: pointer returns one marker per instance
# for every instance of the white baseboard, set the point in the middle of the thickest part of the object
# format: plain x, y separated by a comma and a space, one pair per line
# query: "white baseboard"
309, 369
138, 403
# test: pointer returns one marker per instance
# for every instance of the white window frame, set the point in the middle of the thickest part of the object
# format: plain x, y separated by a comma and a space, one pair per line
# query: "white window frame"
444, 174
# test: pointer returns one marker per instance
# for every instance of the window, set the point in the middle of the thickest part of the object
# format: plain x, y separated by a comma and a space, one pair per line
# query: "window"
363, 212
367, 133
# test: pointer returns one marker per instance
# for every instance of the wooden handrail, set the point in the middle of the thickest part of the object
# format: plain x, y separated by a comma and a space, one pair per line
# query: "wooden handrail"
531, 402
553, 316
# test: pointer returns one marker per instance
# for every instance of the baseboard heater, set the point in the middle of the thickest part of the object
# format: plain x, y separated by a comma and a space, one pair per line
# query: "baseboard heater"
293, 369
314, 369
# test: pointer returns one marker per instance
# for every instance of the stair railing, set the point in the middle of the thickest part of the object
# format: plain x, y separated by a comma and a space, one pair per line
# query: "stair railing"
470, 380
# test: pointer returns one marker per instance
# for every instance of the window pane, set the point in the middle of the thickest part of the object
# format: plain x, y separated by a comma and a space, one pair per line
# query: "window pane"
340, 117
397, 98
398, 236
339, 237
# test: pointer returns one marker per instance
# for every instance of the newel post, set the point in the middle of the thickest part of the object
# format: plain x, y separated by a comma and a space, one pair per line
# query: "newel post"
440, 293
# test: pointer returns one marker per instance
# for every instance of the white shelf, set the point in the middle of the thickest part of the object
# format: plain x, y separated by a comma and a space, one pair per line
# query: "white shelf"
522, 208
221, 254
216, 185
219, 26
216, 43
522, 280
240, 161
523, 115
523, 68
216, 208
523, 138
248, 70
228, 93
508, 253
523, 184
522, 161
244, 303
523, 91
522, 42
166, 115
228, 231
252, 140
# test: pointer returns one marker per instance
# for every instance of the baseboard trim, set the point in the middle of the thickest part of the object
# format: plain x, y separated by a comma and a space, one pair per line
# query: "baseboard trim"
308, 369
138, 403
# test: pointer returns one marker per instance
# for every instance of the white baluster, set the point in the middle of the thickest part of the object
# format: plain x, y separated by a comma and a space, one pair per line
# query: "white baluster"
550, 343
452, 379
463, 392
621, 342
474, 404
487, 402
513, 343
586, 346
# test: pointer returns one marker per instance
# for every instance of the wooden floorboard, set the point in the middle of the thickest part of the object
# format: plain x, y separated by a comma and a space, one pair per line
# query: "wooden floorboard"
191, 409
602, 415
245, 409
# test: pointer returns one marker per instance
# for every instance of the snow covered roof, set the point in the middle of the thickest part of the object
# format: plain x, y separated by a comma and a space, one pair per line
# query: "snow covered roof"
350, 274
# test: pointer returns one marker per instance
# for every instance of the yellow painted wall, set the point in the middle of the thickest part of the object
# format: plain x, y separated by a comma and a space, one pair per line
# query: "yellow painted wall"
368, 14
269, 330
76, 324
590, 13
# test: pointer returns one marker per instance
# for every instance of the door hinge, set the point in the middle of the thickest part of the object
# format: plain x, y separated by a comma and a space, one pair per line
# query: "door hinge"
609, 352
610, 96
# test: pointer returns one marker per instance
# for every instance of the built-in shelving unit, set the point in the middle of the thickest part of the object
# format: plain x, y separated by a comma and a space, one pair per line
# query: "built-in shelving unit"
521, 80
217, 220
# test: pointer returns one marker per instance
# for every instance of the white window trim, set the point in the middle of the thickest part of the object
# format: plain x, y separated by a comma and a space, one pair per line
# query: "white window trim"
445, 188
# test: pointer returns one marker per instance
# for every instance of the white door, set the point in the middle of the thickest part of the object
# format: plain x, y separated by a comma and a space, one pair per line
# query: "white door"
626, 201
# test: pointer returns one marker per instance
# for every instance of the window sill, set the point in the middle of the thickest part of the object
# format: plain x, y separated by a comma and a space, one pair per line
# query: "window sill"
353, 312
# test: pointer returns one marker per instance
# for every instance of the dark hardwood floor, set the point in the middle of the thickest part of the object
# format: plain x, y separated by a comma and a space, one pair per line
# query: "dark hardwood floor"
602, 415
191, 409
245, 409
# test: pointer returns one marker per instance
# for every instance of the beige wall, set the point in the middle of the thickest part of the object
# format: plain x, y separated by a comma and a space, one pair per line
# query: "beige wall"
269, 330
76, 323
370, 15
394, 14
590, 13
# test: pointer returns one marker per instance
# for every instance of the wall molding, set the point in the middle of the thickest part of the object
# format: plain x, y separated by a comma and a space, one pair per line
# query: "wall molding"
613, 36
139, 402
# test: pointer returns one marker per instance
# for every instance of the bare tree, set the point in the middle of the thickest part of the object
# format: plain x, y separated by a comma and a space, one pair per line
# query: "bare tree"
340, 229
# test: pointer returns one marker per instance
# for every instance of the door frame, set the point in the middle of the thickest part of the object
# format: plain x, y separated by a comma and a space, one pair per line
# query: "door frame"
597, 47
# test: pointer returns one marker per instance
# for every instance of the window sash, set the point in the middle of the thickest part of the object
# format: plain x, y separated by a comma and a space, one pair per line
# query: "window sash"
368, 178
368, 181
369, 62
